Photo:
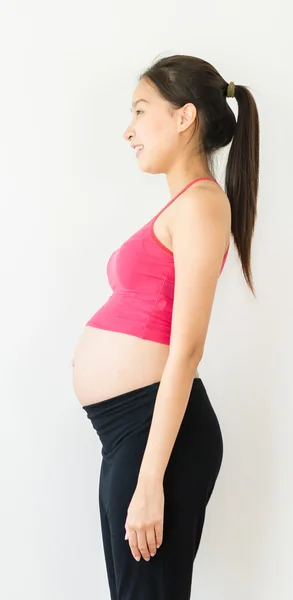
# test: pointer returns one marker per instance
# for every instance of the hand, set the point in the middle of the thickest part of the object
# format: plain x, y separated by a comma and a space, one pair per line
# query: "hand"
144, 523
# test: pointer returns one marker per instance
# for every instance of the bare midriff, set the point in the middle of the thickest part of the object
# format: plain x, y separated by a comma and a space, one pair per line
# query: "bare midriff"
108, 363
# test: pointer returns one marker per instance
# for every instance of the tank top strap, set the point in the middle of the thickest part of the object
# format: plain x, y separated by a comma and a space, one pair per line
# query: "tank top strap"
181, 192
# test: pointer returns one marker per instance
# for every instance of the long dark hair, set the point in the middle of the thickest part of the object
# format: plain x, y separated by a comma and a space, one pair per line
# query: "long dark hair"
181, 79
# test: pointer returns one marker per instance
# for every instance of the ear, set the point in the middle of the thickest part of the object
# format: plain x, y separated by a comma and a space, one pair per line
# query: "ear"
187, 115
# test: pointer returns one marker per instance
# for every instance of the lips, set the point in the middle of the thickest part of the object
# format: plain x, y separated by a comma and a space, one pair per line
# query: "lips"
139, 150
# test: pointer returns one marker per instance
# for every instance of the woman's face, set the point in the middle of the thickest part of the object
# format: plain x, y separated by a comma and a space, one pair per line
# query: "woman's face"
154, 125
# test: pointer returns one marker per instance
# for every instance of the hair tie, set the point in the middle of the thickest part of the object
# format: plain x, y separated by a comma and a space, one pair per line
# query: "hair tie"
231, 90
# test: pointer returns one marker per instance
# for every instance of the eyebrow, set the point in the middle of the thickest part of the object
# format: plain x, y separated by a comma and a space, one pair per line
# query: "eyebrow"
137, 101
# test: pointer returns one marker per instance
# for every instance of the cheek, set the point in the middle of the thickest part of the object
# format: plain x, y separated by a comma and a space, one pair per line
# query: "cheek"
160, 127
160, 134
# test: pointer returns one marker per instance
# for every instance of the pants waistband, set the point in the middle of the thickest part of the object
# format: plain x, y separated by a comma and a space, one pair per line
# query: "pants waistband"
126, 414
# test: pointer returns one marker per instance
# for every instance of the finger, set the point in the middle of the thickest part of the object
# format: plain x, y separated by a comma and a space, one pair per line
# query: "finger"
133, 544
151, 541
142, 544
159, 534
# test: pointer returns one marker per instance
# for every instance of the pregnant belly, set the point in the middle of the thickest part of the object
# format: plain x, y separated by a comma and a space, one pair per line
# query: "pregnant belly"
109, 363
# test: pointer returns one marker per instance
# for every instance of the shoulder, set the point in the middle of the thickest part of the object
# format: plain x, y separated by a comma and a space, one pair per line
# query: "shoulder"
202, 206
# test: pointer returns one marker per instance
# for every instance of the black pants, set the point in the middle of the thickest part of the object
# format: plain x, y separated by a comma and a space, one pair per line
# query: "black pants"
122, 424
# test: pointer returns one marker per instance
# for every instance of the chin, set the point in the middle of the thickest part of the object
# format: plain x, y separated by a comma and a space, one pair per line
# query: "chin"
152, 169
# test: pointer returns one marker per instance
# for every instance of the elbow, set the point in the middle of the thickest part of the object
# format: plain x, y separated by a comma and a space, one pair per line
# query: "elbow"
188, 359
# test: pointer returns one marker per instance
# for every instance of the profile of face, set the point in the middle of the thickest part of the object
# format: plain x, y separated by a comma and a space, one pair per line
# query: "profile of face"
158, 127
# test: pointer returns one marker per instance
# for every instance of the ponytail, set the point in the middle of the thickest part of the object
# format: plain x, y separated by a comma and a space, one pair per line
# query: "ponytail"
241, 179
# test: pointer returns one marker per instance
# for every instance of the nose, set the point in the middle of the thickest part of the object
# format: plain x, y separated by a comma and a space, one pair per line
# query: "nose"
128, 134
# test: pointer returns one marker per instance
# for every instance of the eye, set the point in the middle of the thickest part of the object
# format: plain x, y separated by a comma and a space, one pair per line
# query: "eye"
139, 111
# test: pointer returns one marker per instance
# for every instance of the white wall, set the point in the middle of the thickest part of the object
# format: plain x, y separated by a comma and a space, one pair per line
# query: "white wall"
70, 192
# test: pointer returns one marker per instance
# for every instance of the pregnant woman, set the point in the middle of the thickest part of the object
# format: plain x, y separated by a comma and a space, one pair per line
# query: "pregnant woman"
135, 366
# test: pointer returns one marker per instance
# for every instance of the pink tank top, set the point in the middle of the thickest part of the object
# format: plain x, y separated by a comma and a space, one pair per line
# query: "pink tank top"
141, 275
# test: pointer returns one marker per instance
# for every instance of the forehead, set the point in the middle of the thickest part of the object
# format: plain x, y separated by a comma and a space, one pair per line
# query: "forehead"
146, 91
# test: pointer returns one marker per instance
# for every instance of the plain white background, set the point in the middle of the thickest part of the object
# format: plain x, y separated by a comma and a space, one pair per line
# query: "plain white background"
71, 192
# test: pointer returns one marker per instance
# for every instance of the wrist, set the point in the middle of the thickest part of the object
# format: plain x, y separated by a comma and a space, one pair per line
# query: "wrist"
149, 477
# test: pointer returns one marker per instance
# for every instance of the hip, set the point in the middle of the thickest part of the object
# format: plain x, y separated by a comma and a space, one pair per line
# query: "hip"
122, 424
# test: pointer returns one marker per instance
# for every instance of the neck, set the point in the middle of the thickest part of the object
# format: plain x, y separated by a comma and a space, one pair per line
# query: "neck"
178, 177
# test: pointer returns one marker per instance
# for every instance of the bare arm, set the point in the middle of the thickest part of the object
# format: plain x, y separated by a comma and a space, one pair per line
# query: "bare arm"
199, 238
